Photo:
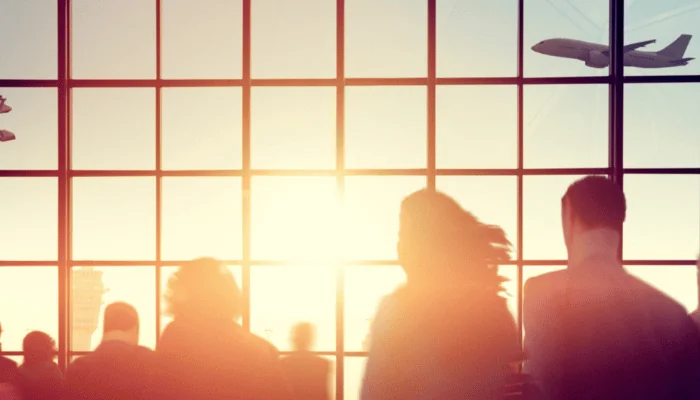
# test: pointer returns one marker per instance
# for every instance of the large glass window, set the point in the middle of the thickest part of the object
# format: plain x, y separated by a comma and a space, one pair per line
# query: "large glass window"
282, 138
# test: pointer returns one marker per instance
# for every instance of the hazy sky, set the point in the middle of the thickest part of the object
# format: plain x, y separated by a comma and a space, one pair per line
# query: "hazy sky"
294, 128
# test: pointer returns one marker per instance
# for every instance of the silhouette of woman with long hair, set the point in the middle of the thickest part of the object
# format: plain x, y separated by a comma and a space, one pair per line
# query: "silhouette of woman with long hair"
447, 333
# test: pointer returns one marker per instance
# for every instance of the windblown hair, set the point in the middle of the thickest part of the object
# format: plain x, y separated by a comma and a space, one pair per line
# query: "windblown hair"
449, 241
203, 288
38, 347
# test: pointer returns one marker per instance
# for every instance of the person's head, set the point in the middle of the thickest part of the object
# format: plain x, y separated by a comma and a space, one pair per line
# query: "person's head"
439, 241
38, 347
203, 288
121, 320
303, 335
593, 202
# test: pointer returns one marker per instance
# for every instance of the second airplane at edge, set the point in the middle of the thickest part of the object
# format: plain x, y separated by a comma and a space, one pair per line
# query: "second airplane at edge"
598, 55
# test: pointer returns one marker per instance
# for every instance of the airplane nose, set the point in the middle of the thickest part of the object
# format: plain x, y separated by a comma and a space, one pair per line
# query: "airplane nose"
534, 47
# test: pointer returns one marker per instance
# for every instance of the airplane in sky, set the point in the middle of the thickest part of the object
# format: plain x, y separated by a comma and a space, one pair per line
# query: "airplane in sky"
598, 55
5, 135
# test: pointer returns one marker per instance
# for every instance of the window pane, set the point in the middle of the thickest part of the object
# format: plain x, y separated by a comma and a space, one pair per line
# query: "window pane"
281, 297
542, 231
36, 143
294, 218
93, 289
101, 46
201, 218
679, 282
293, 39
566, 126
114, 128
114, 218
477, 127
664, 21
661, 125
29, 216
365, 287
165, 274
477, 38
548, 22
293, 127
372, 214
27, 303
492, 199
663, 217
202, 39
201, 128
387, 38
35, 55
386, 127
354, 373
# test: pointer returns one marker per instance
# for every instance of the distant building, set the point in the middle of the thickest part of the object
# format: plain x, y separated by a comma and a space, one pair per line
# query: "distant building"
87, 292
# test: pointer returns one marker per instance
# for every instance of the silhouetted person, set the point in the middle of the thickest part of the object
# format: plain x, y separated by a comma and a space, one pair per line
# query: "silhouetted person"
447, 333
695, 315
39, 377
8, 368
204, 353
118, 368
307, 373
595, 332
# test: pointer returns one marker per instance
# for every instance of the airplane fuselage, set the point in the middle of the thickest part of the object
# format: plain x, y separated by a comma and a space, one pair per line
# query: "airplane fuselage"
594, 54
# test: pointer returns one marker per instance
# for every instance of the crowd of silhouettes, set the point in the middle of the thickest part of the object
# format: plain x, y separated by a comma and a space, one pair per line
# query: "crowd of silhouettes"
592, 330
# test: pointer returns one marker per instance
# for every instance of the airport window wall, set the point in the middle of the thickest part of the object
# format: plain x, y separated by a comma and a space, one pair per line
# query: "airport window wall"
281, 136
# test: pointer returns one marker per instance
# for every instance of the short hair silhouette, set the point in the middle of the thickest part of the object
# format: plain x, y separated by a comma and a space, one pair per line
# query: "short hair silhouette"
38, 347
203, 288
303, 335
437, 233
120, 316
598, 202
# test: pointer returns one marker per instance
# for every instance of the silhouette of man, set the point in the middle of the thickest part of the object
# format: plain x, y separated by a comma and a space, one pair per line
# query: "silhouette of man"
8, 368
307, 373
695, 315
118, 368
595, 332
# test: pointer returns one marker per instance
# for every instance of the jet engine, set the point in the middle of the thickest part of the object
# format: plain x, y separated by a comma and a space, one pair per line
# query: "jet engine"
597, 59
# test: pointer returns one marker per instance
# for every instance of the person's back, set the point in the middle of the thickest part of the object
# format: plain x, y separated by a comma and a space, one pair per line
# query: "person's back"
593, 331
446, 334
457, 345
201, 362
8, 369
203, 353
39, 378
609, 337
307, 373
118, 369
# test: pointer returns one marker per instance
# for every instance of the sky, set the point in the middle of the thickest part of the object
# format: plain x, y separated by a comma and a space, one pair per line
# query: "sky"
299, 218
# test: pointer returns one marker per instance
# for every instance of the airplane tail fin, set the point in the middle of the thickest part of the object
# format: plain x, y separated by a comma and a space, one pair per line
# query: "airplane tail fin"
677, 48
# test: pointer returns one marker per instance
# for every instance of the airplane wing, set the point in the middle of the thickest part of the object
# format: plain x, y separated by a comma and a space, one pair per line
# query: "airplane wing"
631, 47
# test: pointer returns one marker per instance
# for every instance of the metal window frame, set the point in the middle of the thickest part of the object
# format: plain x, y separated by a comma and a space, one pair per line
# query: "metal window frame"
64, 174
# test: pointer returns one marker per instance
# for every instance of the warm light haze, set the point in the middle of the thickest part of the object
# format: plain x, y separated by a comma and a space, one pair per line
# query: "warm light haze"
319, 237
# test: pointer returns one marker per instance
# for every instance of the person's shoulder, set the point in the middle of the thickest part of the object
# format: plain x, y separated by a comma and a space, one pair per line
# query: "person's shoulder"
7, 362
545, 282
259, 345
